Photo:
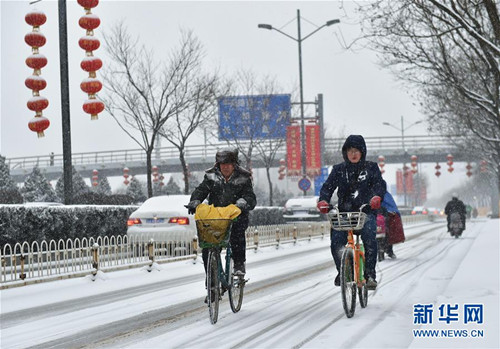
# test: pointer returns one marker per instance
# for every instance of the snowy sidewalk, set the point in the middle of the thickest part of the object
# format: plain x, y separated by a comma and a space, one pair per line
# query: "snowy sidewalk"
476, 282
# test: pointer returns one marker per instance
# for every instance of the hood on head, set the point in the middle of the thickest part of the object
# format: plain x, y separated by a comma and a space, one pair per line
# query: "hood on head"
354, 141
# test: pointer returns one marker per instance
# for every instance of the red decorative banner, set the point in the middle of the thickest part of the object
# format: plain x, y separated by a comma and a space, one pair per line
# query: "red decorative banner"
293, 151
313, 151
399, 182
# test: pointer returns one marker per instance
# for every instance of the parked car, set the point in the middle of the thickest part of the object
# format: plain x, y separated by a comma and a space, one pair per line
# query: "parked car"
162, 218
419, 210
302, 209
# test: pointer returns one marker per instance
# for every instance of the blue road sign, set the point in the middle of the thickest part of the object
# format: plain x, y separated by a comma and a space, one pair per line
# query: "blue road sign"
254, 117
304, 184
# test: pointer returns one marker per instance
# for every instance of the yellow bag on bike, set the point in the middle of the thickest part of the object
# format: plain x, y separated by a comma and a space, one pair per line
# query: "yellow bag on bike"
214, 224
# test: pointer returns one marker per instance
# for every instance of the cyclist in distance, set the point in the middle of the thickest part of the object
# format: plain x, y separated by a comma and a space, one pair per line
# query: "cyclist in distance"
224, 184
455, 205
358, 182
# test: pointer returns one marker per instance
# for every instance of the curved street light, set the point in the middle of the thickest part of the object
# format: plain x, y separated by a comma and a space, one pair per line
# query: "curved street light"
299, 40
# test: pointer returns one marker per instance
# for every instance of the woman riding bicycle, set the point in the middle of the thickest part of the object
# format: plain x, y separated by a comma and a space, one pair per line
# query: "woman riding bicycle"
224, 184
359, 182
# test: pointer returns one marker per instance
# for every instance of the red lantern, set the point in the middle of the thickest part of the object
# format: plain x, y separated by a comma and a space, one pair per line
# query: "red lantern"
437, 167
38, 103
450, 169
126, 182
89, 21
37, 61
93, 107
35, 39
414, 158
35, 18
91, 86
39, 124
88, 3
89, 43
91, 64
35, 82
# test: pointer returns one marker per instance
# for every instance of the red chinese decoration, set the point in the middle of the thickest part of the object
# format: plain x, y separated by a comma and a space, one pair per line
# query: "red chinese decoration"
381, 163
155, 173
36, 61
437, 167
414, 164
90, 64
484, 165
95, 177
469, 168
126, 175
449, 157
282, 169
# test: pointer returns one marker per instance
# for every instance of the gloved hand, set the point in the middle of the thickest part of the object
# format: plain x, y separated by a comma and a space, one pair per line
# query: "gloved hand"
241, 204
375, 202
323, 206
192, 206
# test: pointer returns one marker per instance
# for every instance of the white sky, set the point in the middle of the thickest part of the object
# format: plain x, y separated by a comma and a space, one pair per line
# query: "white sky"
431, 268
358, 95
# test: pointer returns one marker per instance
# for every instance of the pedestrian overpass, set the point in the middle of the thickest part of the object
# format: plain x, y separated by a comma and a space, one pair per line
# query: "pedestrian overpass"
428, 148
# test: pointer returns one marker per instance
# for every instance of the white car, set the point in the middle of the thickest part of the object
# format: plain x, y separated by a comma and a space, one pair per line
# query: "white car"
302, 209
162, 218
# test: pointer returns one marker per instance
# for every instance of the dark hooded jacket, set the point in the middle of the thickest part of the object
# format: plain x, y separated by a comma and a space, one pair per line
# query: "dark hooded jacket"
356, 183
221, 193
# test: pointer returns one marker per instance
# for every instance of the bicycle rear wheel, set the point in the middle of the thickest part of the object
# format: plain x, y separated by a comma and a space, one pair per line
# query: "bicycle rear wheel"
347, 283
213, 286
237, 285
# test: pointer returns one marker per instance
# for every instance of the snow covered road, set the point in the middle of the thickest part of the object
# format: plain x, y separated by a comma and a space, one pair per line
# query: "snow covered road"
290, 300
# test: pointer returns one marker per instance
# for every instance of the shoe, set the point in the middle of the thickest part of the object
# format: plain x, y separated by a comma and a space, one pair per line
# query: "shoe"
239, 269
371, 283
337, 280
391, 255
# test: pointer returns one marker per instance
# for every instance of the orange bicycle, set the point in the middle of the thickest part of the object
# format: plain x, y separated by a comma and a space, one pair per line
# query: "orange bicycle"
352, 267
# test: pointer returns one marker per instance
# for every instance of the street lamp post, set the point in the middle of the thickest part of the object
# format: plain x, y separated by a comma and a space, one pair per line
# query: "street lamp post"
299, 40
403, 129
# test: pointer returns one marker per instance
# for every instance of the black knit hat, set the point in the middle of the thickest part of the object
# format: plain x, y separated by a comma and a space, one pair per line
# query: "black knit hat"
227, 156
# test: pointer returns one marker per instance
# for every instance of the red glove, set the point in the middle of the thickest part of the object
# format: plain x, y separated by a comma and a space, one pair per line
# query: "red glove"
323, 206
375, 202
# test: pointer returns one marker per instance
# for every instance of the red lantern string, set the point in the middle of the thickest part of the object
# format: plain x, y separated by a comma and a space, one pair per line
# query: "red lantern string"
95, 178
36, 61
90, 64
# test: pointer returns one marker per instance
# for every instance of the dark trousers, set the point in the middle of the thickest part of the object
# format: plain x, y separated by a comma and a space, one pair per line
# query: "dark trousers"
237, 240
368, 236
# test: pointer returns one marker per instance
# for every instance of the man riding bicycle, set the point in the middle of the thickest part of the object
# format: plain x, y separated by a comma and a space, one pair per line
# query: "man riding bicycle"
224, 184
359, 182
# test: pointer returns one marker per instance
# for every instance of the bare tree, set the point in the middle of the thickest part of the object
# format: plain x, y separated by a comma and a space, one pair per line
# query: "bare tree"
142, 95
201, 109
449, 50
247, 136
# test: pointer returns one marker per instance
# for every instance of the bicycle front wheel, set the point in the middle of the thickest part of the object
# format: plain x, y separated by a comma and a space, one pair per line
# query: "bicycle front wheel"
236, 286
347, 282
213, 286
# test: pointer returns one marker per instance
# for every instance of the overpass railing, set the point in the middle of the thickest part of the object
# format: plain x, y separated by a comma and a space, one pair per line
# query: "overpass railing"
377, 145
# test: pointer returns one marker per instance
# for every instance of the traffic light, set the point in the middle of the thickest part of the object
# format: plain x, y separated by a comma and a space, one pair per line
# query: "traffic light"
282, 169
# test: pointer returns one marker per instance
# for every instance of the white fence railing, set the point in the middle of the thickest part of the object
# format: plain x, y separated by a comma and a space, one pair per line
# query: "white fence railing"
25, 263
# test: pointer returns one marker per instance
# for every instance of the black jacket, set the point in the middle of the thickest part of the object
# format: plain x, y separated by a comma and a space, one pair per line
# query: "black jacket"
221, 193
356, 183
455, 205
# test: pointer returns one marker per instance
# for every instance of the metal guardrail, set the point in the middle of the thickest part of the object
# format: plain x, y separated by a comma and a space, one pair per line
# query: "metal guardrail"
25, 263
377, 145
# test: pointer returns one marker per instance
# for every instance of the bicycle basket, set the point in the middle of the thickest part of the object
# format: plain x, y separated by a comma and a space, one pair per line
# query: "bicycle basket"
347, 220
213, 232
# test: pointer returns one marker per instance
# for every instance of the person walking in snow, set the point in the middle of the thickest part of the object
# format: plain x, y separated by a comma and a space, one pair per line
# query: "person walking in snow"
358, 182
